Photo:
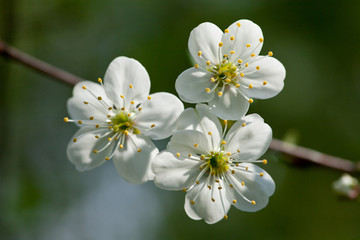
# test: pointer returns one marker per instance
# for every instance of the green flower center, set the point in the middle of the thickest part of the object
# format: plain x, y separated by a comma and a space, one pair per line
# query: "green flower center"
122, 122
218, 163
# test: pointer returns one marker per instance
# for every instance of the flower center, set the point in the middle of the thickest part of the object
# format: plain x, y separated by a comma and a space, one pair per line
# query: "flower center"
122, 122
225, 70
218, 163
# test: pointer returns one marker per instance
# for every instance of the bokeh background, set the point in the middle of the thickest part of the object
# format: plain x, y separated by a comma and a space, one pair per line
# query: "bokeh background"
42, 196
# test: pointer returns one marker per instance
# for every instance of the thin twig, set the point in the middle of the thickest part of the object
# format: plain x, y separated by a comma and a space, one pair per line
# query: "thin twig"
302, 153
38, 65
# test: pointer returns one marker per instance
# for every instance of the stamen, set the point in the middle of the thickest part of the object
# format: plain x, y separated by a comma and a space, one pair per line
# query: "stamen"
270, 53
251, 100
250, 86
100, 81
232, 38
265, 82
74, 140
226, 31
261, 40
257, 68
221, 44
131, 86
248, 45
196, 66
264, 161
66, 119
199, 53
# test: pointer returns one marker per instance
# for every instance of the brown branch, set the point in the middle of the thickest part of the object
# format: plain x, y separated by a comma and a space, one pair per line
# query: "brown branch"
302, 153
38, 65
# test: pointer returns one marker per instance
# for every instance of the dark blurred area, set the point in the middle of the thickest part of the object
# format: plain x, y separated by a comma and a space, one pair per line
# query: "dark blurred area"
42, 196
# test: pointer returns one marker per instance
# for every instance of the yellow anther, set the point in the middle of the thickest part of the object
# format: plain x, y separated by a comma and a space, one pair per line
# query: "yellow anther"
232, 52
83, 87
208, 63
209, 133
178, 154
253, 202
213, 199
79, 122
250, 86
97, 125
220, 94
139, 150
189, 155
96, 136
250, 100
122, 96
257, 68
95, 151
132, 102
265, 82
122, 108
149, 97
261, 39
230, 185
242, 74
264, 161
192, 202
238, 24
109, 139
140, 109
184, 189
229, 154
237, 85
226, 31
234, 201
126, 132
233, 171
261, 174
248, 45
223, 142
238, 150
247, 168
197, 182
246, 64
240, 61
121, 146
270, 53
227, 80
202, 157
196, 66
110, 108
130, 86
226, 217
74, 140
99, 98
221, 44
207, 89
212, 79
242, 184
127, 124
252, 55
199, 53
244, 124
217, 180
99, 80
66, 119
109, 116
225, 121
107, 158
232, 38
196, 145
152, 125
86, 102
225, 56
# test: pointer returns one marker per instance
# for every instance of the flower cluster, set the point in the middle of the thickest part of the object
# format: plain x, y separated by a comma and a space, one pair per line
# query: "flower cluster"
214, 163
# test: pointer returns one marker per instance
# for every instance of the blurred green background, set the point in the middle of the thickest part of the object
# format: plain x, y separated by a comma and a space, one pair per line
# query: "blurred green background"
42, 196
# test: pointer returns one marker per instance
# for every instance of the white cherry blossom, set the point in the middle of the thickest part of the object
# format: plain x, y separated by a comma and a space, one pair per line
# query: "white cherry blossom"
216, 170
117, 118
228, 71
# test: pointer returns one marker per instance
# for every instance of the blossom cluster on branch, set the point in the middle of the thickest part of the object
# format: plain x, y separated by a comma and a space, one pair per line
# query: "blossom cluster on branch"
215, 164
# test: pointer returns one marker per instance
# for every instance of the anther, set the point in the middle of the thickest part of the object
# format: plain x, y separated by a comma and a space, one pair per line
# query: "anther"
240, 61
265, 82
251, 100
220, 44
139, 150
107, 158
209, 187
95, 151
246, 64
230, 185
184, 189
121, 146
219, 188
99, 98
212, 79
197, 182
96, 136
228, 80
238, 24
237, 164
234, 201
99, 80
244, 124
226, 217
202, 157
91, 118
225, 121
189, 155
217, 180
196, 66
247, 45
232, 38
153, 125
132, 102
207, 89
237, 85
122, 96
253, 202
226, 31
130, 86
238, 150
178, 154
109, 116
97, 125
242, 74
264, 161
192, 202
252, 55
140, 109
242, 184
149, 97
126, 132
209, 133
199, 53
229, 154
79, 122
122, 108
109, 139
66, 119
83, 87
257, 68
261, 174
223, 142
110, 108
233, 171
208, 63
225, 56
250, 86
220, 94
74, 140
127, 124
196, 145
270, 53
247, 168
261, 40
232, 52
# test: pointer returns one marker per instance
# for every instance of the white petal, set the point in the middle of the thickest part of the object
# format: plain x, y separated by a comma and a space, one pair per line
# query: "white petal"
123, 72
191, 85
256, 188
205, 38
247, 33
231, 105
134, 166
81, 154
204, 207
94, 107
161, 112
172, 173
252, 140
188, 142
267, 82
203, 120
